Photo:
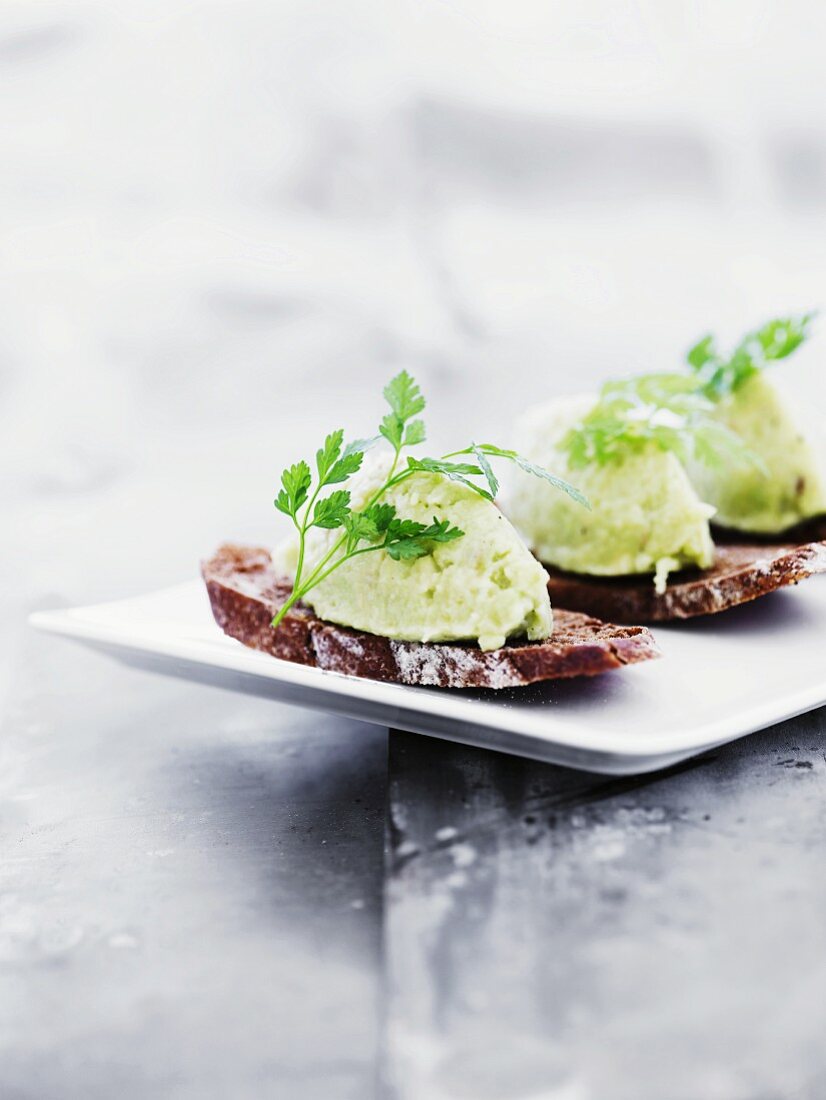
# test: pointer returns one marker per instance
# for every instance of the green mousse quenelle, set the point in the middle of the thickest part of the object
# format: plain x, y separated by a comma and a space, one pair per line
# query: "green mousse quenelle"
484, 586
789, 485
645, 516
659, 455
412, 548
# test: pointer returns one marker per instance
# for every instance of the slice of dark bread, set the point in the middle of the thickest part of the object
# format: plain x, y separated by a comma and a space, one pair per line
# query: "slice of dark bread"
744, 568
245, 593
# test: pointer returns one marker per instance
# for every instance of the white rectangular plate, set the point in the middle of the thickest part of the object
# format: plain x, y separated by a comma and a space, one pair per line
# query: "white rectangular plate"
719, 678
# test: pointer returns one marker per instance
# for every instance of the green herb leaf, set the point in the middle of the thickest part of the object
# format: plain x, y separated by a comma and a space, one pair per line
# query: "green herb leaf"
371, 524
414, 433
454, 471
404, 396
777, 339
532, 468
332, 511
487, 469
381, 514
407, 540
669, 411
666, 390
442, 466
393, 430
335, 466
552, 479
703, 351
360, 528
360, 445
399, 529
346, 466
405, 400
295, 481
714, 444
327, 455
781, 337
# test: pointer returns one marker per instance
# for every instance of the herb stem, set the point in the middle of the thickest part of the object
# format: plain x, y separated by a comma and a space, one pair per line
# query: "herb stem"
302, 535
316, 580
323, 569
314, 577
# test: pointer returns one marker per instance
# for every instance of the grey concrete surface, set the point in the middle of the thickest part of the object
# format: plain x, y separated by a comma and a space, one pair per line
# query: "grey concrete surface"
190, 890
553, 935
197, 901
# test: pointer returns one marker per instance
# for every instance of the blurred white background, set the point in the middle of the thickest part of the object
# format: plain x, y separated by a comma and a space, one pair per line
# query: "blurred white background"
224, 225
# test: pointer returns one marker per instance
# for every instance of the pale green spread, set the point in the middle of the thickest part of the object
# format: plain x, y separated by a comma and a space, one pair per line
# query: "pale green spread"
792, 487
645, 517
485, 586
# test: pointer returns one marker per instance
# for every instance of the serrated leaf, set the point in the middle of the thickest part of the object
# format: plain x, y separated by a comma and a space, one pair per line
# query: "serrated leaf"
775, 340
780, 337
296, 481
392, 428
404, 396
371, 524
408, 540
649, 410
537, 471
704, 351
487, 469
441, 531
442, 466
381, 514
360, 445
414, 433
326, 456
408, 551
331, 511
454, 471
346, 466
552, 479
283, 503
361, 528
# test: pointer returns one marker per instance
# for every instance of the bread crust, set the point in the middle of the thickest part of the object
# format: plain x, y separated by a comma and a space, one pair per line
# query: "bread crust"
245, 593
745, 568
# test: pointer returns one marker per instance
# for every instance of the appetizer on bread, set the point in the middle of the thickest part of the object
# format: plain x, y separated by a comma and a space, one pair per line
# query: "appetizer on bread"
403, 568
787, 487
665, 458
246, 591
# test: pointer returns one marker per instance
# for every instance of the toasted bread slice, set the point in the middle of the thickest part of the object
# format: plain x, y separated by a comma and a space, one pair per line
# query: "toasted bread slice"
745, 567
245, 594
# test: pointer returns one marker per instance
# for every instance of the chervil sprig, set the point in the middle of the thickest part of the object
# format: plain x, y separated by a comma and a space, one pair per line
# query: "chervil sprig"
667, 410
377, 527
719, 375
405, 400
485, 451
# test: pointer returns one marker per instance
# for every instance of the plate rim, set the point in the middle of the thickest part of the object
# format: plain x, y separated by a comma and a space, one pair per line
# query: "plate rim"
623, 744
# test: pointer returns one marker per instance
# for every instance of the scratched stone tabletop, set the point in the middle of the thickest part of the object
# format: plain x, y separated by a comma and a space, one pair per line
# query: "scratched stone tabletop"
223, 227
206, 895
